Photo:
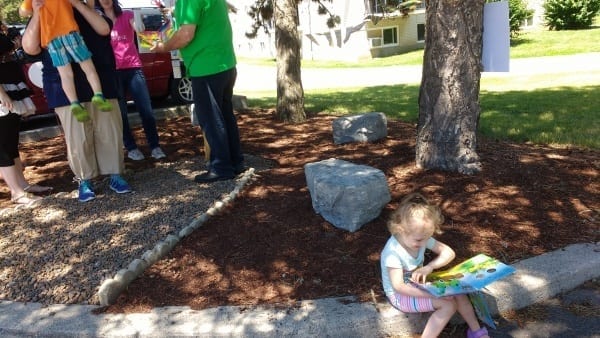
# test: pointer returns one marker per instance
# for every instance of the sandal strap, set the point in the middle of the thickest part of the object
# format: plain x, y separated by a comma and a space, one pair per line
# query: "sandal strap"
31, 197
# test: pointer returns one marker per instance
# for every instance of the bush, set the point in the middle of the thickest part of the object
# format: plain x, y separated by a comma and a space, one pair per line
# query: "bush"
518, 13
570, 14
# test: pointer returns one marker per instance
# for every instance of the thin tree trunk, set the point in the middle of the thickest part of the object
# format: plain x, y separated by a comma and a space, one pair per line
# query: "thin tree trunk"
449, 95
290, 94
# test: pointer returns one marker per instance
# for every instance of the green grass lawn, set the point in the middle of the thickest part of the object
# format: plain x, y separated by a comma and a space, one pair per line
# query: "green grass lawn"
557, 109
542, 109
533, 43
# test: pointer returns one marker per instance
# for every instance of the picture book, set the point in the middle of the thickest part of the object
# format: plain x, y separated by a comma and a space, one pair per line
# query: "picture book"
469, 276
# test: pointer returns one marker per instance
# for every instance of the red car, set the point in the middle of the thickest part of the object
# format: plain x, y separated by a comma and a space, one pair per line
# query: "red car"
164, 72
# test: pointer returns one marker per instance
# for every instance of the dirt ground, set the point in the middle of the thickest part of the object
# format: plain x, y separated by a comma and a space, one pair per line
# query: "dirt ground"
271, 247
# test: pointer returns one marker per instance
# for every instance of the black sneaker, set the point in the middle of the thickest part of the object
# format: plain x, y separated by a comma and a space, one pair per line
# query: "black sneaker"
210, 176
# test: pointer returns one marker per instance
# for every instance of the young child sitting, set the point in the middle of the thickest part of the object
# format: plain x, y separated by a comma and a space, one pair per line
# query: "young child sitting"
60, 34
412, 226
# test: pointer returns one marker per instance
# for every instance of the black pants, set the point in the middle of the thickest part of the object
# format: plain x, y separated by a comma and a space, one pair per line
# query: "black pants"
213, 95
9, 139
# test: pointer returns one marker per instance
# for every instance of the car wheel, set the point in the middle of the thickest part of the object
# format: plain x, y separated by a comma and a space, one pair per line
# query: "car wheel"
181, 90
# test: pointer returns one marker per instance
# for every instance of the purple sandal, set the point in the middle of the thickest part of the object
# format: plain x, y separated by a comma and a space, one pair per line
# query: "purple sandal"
477, 334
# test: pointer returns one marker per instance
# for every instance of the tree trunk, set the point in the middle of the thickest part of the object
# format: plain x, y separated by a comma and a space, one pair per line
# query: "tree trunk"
449, 95
290, 94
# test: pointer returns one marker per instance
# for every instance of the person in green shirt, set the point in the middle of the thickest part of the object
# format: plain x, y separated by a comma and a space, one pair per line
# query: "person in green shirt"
204, 37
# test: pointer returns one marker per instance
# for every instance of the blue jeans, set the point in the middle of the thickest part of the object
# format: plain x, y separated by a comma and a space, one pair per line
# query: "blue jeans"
213, 96
133, 81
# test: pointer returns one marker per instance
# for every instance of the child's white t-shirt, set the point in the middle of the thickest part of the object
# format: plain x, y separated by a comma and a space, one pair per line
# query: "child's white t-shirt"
394, 255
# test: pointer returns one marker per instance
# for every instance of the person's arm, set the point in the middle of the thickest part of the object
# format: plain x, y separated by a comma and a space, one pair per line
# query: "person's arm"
182, 37
31, 37
137, 27
445, 255
397, 279
92, 17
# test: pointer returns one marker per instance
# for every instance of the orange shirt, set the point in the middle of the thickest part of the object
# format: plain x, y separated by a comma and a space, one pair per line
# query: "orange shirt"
56, 19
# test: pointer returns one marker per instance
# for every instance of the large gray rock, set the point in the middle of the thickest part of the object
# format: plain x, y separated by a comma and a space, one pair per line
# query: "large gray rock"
367, 127
347, 195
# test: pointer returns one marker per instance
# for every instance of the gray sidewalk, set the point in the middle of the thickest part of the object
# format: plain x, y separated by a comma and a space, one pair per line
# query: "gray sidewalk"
536, 279
258, 78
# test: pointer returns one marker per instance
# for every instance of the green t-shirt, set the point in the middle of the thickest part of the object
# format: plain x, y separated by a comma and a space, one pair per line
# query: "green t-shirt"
211, 49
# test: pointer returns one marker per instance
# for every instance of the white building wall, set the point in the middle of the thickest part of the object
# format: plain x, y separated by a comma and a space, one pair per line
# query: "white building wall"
262, 46
348, 41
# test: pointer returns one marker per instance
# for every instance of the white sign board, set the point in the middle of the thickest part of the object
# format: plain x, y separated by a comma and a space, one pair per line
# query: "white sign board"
496, 37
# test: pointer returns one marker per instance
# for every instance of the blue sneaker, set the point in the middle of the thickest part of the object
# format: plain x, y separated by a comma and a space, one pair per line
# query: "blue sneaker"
119, 185
85, 191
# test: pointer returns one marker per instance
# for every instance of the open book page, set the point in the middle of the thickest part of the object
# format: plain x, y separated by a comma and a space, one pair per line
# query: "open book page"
469, 276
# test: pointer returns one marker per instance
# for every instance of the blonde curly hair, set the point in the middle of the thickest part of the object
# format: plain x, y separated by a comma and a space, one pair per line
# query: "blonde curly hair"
411, 206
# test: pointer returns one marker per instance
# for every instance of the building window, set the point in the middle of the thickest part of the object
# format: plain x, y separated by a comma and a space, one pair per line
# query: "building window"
420, 32
383, 37
390, 36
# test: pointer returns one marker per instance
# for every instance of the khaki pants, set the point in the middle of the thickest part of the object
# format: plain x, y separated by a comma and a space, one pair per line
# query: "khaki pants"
94, 147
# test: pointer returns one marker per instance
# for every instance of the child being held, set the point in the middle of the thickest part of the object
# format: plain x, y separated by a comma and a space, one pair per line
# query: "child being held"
60, 34
412, 226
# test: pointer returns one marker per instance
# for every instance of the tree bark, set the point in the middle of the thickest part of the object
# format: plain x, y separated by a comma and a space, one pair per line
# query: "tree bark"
290, 94
449, 94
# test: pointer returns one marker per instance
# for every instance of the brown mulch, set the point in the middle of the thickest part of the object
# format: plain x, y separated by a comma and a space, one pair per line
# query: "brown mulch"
271, 247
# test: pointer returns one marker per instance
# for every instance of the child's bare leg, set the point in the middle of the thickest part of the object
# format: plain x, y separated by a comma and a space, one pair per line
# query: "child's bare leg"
67, 82
68, 85
92, 76
444, 309
465, 308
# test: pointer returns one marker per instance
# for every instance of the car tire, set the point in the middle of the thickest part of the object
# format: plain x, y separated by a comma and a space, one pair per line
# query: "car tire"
181, 90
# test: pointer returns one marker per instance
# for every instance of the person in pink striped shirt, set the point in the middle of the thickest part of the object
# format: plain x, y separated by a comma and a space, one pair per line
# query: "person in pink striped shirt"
412, 226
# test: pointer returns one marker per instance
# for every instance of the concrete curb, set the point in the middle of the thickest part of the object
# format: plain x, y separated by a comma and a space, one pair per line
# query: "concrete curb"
536, 279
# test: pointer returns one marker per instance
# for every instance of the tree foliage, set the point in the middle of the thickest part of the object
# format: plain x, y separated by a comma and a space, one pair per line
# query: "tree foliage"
262, 15
9, 10
570, 14
518, 13
403, 6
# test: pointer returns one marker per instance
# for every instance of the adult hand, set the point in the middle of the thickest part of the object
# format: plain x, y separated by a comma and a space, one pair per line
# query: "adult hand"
6, 100
157, 47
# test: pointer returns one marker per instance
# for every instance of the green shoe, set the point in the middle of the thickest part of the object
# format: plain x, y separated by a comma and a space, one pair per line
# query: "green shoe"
101, 103
80, 113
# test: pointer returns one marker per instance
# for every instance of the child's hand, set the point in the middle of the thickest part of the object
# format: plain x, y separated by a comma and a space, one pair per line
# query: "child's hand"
420, 274
37, 4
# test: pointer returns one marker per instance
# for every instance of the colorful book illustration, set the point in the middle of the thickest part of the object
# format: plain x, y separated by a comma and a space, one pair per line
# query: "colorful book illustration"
469, 276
